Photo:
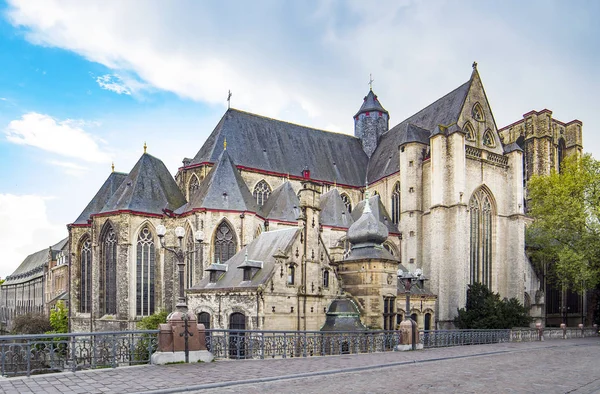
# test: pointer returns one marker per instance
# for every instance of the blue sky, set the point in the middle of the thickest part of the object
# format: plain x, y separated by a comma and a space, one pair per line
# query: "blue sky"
83, 84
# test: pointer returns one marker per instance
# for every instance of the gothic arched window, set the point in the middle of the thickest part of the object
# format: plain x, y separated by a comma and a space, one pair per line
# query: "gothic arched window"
480, 210
225, 243
469, 132
193, 186
488, 138
145, 259
325, 278
108, 276
346, 201
85, 281
478, 112
204, 318
262, 190
396, 204
561, 152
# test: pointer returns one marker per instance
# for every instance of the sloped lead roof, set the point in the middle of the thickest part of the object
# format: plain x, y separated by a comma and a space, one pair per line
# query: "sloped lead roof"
271, 145
107, 189
33, 265
333, 210
148, 188
445, 111
263, 248
282, 204
223, 189
371, 103
378, 211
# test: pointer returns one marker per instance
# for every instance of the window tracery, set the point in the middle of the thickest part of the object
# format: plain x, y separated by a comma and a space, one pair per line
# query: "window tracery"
478, 113
225, 243
262, 191
396, 204
346, 201
488, 138
145, 271
85, 261
480, 210
194, 186
469, 132
108, 277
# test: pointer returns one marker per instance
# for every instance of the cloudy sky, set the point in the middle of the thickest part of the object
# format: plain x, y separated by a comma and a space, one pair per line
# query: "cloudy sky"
85, 83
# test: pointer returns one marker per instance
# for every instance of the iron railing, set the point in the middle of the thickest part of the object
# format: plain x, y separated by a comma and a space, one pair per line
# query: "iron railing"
33, 354
446, 338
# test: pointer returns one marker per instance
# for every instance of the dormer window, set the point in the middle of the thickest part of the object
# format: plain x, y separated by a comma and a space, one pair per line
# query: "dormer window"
216, 270
250, 268
213, 277
247, 273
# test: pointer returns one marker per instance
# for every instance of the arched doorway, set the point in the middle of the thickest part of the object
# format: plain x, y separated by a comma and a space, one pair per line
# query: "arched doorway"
427, 321
237, 343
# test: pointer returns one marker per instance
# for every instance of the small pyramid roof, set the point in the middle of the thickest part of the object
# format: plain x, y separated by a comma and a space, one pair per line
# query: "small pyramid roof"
333, 210
108, 188
283, 204
223, 189
378, 210
148, 188
371, 103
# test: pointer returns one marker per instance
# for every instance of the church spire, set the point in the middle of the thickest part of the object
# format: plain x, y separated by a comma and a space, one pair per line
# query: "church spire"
371, 120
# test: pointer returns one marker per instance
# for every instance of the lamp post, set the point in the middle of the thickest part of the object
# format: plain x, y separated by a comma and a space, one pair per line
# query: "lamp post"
407, 278
180, 255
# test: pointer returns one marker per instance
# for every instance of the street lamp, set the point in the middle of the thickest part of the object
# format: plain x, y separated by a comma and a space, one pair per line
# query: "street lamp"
180, 255
407, 279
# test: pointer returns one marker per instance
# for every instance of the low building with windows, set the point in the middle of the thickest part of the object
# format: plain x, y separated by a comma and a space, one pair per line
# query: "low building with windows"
276, 203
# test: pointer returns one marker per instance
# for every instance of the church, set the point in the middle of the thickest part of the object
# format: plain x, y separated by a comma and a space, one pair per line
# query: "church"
283, 221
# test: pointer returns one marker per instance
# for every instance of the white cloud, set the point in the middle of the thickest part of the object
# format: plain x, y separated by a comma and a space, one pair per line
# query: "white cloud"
114, 83
25, 229
66, 137
70, 168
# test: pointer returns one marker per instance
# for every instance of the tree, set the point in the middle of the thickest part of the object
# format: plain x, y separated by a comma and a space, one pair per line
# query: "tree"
31, 323
59, 318
565, 206
485, 310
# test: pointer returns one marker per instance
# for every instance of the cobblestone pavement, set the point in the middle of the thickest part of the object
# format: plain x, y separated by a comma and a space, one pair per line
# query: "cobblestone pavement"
560, 366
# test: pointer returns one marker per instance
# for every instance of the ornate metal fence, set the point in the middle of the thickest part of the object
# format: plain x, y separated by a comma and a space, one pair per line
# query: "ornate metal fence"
33, 354
244, 344
445, 338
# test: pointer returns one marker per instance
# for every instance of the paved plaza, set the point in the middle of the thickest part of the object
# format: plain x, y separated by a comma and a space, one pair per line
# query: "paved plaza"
558, 366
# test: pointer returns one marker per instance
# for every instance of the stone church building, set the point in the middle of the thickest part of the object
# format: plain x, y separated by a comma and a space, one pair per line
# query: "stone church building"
292, 218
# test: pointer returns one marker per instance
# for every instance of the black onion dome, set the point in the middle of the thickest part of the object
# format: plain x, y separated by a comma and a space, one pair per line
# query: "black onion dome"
367, 229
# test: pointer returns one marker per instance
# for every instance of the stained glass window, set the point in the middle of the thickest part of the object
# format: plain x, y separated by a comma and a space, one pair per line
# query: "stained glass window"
480, 210
262, 190
191, 259
108, 277
346, 201
145, 273
225, 243
85, 260
396, 204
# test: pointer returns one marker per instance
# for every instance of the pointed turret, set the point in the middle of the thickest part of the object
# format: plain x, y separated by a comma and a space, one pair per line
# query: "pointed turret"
370, 122
222, 189
148, 188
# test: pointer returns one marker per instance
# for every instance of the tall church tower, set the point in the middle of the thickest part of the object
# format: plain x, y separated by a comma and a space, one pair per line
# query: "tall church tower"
370, 122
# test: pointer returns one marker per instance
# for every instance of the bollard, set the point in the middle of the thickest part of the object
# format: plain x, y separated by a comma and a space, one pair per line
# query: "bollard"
540, 330
581, 328
564, 329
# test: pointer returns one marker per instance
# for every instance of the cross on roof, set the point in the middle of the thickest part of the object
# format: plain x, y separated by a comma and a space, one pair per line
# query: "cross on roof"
229, 99
371, 80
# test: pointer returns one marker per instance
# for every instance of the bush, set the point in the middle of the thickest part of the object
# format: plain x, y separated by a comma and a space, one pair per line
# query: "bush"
146, 345
59, 318
31, 323
151, 322
485, 310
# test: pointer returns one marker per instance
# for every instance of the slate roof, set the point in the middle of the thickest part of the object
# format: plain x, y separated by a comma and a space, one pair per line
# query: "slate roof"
445, 111
33, 265
512, 147
333, 210
148, 188
371, 103
263, 248
379, 212
107, 189
272, 145
283, 204
223, 189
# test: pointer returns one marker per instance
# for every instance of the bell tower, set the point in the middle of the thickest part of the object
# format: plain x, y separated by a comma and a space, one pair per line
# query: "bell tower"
371, 121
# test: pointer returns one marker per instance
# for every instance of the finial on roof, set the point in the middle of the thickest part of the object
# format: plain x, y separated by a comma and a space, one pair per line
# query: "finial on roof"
474, 66
145, 146
113, 166
225, 144
229, 99
371, 80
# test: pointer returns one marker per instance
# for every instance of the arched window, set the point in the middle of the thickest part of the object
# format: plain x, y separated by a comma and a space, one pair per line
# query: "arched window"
390, 248
291, 274
85, 266
108, 268
204, 318
325, 278
191, 257
262, 190
560, 152
193, 186
427, 321
237, 340
469, 132
225, 243
346, 201
145, 258
488, 138
480, 210
478, 113
396, 204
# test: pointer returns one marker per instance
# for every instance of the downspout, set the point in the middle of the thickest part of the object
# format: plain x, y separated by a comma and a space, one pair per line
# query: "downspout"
69, 283
304, 282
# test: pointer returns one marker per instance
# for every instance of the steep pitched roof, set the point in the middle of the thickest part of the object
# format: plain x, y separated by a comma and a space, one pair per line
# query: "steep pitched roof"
107, 189
371, 103
271, 145
333, 210
283, 204
148, 188
223, 189
379, 212
262, 249
33, 265
445, 111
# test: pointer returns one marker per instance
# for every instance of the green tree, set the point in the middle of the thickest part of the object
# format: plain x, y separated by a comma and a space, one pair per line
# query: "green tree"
566, 229
59, 318
486, 310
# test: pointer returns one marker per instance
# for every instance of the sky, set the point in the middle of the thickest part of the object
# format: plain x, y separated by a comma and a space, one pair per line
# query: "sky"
84, 84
